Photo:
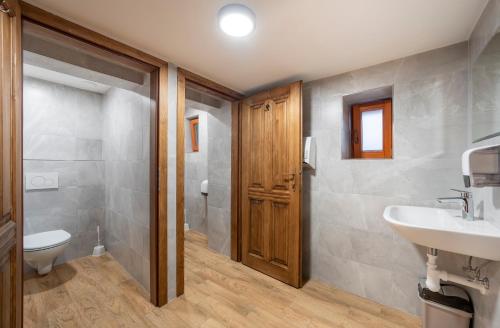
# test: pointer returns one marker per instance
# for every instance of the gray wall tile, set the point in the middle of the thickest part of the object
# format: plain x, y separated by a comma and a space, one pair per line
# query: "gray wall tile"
346, 241
64, 138
210, 214
125, 134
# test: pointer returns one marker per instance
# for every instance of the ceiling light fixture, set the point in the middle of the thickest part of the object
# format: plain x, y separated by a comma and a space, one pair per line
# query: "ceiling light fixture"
236, 20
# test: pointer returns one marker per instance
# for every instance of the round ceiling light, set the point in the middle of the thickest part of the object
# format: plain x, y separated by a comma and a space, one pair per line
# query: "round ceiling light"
236, 20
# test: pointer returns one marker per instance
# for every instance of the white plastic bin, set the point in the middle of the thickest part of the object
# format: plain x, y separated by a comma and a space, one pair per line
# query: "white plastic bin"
450, 308
435, 315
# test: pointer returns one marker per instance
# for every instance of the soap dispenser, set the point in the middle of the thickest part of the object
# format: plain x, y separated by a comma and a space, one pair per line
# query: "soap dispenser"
481, 166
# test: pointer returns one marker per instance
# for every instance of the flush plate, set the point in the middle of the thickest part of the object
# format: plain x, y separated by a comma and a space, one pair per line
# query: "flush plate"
42, 180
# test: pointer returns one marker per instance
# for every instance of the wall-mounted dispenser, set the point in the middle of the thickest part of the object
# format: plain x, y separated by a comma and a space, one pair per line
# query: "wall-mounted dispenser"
481, 166
204, 187
309, 159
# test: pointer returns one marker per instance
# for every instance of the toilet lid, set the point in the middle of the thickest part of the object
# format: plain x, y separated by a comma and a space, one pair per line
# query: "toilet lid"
44, 240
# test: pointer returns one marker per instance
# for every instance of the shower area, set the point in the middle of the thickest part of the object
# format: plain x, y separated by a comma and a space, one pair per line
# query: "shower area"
88, 127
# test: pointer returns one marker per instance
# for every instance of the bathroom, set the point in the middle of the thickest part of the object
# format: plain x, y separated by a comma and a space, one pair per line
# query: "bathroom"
86, 155
307, 174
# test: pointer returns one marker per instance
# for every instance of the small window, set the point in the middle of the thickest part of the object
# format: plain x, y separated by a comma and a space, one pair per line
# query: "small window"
193, 123
372, 129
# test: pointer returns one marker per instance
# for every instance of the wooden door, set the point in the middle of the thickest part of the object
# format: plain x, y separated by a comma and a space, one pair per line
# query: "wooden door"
11, 220
271, 172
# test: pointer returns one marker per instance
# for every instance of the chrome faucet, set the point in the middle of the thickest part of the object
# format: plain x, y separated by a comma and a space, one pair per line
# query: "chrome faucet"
467, 203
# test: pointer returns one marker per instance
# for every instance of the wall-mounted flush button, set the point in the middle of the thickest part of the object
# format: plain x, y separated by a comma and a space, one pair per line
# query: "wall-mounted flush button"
43, 180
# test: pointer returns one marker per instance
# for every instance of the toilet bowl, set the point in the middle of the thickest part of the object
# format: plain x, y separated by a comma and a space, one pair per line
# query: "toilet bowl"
41, 249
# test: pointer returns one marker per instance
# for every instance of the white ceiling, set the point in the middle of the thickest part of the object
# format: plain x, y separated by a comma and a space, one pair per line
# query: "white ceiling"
294, 39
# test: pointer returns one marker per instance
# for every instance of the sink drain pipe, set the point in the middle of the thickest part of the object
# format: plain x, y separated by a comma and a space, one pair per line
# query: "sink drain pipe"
434, 276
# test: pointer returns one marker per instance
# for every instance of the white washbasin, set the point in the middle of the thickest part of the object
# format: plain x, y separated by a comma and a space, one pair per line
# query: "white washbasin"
445, 230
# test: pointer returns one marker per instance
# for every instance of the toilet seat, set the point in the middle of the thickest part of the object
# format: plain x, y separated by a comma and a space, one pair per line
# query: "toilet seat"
45, 240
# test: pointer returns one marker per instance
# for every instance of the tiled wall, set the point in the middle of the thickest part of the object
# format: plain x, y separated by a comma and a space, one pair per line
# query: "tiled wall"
218, 146
126, 139
219, 179
62, 137
196, 170
346, 241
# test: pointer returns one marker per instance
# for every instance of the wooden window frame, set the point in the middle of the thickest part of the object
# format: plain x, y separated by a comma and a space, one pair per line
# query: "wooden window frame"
356, 131
194, 140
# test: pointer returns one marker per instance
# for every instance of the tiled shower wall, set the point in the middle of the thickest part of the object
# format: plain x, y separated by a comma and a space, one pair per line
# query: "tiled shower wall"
126, 139
64, 138
346, 241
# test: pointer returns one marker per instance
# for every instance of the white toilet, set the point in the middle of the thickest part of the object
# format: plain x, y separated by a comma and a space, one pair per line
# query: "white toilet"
41, 249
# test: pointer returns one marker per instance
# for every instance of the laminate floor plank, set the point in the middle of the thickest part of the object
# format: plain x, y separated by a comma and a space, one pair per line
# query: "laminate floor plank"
98, 292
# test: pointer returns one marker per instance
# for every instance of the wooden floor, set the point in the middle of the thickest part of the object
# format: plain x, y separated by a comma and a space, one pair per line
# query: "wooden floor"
97, 292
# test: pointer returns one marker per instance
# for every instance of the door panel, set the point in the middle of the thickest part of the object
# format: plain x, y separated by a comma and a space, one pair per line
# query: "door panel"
257, 151
279, 145
271, 161
11, 207
279, 233
256, 217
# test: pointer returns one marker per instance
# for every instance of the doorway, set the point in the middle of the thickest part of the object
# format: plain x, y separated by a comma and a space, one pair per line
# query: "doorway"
278, 227
53, 48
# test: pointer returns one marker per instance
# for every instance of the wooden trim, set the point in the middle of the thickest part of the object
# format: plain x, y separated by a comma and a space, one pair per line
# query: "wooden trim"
194, 141
181, 109
162, 233
357, 110
77, 31
235, 182
7, 237
158, 224
52, 43
17, 165
153, 187
198, 82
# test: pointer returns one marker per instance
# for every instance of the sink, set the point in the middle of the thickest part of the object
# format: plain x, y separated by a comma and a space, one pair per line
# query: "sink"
445, 230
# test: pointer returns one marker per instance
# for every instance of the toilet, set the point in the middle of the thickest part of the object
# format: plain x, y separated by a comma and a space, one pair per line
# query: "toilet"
41, 249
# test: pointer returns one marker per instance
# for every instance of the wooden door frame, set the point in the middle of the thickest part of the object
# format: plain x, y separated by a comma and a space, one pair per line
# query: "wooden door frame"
11, 230
158, 185
185, 79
